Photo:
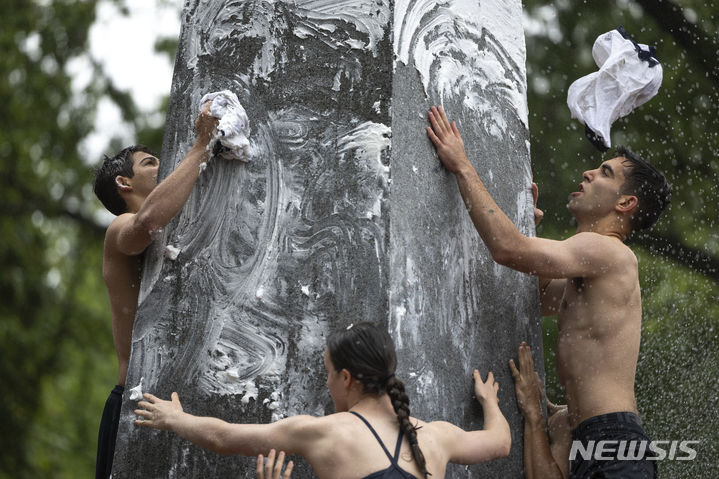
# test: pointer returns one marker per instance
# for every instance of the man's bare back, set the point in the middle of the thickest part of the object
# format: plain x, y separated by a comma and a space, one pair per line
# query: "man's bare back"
121, 273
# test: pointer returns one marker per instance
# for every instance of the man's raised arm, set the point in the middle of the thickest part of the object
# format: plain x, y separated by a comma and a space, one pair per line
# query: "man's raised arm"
134, 232
579, 256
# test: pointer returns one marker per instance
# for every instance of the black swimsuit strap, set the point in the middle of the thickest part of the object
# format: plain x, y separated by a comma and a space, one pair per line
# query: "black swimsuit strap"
398, 446
399, 439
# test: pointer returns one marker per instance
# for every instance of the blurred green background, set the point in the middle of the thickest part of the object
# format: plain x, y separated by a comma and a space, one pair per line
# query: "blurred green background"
58, 363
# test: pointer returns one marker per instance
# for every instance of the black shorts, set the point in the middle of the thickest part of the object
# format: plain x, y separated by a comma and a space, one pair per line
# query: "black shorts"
623, 454
108, 432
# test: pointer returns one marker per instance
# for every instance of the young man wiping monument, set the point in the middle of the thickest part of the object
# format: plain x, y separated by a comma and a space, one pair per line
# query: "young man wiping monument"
590, 280
127, 185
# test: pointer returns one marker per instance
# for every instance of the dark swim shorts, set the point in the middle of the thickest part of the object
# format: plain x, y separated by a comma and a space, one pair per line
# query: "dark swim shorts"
108, 433
623, 455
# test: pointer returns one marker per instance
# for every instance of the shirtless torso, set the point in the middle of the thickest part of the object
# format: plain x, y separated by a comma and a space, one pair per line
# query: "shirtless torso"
122, 278
599, 321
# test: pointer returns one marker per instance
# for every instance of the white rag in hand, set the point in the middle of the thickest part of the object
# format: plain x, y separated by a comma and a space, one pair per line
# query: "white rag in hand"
233, 129
628, 77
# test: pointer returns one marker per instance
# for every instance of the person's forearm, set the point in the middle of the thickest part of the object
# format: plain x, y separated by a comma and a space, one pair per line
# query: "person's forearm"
538, 460
495, 422
206, 432
496, 229
168, 198
527, 451
219, 436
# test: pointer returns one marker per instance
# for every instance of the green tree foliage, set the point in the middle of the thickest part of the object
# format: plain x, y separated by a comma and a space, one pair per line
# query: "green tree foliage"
49, 239
58, 361
678, 132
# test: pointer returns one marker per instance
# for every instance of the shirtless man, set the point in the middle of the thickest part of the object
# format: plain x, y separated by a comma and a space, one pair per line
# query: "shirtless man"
127, 185
590, 280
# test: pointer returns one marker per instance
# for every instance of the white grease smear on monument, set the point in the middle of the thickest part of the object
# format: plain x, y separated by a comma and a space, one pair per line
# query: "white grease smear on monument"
464, 49
250, 391
354, 12
313, 18
172, 252
136, 392
367, 143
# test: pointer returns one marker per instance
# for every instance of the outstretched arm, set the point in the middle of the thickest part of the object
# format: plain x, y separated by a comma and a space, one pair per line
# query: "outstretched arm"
295, 434
538, 460
496, 229
134, 232
491, 442
582, 255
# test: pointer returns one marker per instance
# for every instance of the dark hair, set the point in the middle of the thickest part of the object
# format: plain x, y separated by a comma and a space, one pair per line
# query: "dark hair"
367, 352
649, 185
105, 187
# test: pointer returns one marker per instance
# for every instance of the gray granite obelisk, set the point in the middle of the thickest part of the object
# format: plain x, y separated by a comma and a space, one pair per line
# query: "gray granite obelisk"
344, 215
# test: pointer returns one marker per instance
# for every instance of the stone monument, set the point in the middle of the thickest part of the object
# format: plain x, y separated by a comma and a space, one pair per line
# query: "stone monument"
344, 214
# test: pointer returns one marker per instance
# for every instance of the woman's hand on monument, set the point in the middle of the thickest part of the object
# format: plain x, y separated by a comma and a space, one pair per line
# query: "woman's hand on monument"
158, 413
447, 141
273, 469
486, 391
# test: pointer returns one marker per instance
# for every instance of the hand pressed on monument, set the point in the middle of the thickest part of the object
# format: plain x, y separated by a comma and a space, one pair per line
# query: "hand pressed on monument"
447, 141
158, 413
486, 391
527, 385
273, 469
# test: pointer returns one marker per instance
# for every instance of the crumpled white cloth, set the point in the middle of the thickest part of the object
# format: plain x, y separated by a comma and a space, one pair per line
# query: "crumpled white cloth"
233, 128
628, 77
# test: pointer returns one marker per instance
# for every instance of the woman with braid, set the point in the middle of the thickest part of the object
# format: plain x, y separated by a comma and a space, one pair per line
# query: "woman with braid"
372, 435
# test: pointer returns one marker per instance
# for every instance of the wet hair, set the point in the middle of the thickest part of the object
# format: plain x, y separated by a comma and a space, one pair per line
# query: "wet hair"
118, 165
367, 352
649, 185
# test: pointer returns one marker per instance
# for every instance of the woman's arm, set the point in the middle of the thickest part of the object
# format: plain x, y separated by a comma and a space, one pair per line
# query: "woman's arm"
491, 442
293, 435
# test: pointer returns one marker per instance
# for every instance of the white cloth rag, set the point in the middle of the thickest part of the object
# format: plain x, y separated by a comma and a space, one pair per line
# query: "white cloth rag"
628, 77
233, 128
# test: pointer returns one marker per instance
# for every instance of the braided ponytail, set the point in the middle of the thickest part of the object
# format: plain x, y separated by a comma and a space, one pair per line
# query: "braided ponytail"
367, 352
400, 402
